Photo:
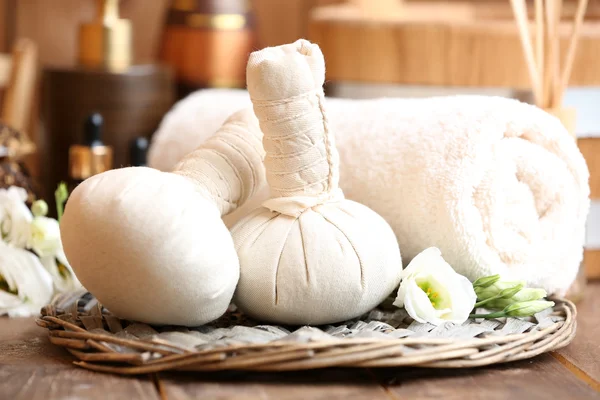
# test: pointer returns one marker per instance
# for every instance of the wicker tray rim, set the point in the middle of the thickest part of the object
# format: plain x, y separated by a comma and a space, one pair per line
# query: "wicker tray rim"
99, 349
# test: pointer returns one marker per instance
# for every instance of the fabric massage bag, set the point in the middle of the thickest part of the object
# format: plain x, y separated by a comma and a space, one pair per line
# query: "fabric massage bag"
308, 255
151, 245
498, 185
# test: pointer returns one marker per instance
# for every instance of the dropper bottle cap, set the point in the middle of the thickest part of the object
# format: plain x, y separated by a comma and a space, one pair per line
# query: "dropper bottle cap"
92, 130
138, 152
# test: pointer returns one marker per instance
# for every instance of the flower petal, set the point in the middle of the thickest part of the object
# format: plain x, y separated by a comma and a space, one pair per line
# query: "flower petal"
9, 300
17, 193
30, 279
44, 239
452, 293
421, 261
418, 305
16, 217
62, 258
62, 283
439, 284
463, 299
399, 302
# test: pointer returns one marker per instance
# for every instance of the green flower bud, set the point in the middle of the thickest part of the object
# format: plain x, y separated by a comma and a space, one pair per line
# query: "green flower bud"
39, 208
486, 281
60, 195
527, 308
527, 294
500, 289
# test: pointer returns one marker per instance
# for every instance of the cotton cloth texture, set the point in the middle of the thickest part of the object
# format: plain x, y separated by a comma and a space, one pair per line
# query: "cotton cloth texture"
497, 185
308, 256
150, 245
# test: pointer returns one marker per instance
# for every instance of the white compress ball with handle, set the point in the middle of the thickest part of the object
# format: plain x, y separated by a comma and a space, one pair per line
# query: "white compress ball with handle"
308, 256
150, 245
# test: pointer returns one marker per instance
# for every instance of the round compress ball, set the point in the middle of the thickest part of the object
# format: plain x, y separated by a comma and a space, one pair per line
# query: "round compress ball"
150, 247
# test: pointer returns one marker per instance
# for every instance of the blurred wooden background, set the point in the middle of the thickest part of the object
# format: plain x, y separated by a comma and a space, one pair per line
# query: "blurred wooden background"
53, 24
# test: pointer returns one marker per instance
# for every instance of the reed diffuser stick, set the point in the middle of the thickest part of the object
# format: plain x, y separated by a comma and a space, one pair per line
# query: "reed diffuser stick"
520, 10
572, 49
556, 59
549, 79
550, 50
539, 45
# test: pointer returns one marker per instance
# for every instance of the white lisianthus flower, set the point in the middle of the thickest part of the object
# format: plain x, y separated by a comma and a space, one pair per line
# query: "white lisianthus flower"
44, 237
62, 274
431, 291
46, 243
25, 286
15, 217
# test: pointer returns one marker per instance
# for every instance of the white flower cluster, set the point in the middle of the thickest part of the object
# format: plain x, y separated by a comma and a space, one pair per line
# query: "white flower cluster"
33, 265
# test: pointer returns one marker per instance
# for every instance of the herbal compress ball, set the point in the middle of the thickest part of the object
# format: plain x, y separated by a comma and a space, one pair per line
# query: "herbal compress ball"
308, 256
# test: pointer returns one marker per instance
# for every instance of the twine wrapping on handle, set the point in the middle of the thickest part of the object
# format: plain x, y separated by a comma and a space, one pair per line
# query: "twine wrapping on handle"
228, 167
302, 163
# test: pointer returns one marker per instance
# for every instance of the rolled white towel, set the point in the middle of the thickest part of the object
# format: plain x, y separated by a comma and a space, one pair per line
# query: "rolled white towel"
498, 185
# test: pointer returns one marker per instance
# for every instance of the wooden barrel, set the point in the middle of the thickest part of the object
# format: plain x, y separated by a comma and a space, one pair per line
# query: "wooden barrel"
208, 42
131, 103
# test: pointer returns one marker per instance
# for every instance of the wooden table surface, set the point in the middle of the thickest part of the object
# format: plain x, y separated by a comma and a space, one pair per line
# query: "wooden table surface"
32, 368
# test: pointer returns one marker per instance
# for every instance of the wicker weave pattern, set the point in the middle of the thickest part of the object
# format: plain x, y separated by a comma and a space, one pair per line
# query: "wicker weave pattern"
386, 337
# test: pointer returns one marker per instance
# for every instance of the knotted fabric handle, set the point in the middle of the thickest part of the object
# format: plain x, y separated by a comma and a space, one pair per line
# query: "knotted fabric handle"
227, 168
302, 163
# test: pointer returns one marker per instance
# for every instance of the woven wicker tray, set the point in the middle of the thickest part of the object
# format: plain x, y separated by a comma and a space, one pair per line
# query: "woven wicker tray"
386, 337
